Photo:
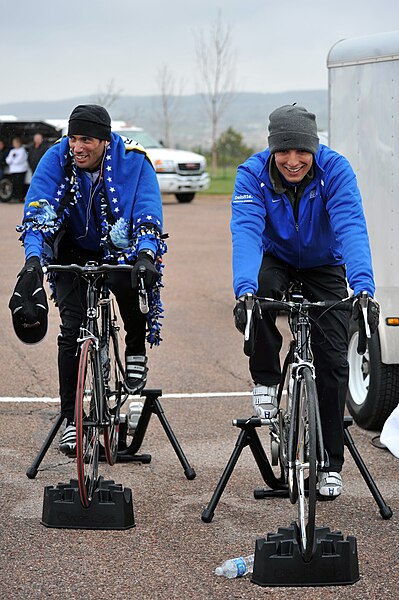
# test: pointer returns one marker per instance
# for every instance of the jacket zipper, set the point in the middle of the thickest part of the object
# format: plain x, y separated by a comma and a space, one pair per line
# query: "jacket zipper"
296, 207
296, 215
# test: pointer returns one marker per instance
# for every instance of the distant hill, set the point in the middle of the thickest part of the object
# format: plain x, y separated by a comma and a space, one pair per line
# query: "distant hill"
247, 113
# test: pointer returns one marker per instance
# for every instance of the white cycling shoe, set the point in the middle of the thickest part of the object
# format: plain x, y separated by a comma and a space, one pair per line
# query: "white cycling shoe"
67, 443
330, 484
264, 401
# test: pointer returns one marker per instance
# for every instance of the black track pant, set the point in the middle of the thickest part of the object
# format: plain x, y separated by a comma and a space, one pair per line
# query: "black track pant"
329, 348
71, 299
18, 185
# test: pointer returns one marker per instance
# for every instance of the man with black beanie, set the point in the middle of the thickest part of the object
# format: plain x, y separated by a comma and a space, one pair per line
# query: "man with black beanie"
94, 197
297, 215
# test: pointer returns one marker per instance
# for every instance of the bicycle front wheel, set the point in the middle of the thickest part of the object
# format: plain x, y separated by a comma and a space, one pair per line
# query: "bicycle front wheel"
87, 423
113, 380
304, 455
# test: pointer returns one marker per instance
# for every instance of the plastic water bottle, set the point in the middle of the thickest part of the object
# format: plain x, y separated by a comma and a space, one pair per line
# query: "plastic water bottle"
236, 567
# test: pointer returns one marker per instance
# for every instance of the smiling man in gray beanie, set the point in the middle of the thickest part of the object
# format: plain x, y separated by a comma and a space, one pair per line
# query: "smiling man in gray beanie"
297, 214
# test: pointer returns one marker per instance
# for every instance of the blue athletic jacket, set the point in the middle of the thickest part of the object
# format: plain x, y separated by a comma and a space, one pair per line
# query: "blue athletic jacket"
118, 216
330, 228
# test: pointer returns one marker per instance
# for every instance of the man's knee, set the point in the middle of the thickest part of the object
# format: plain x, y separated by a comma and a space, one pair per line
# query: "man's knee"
69, 332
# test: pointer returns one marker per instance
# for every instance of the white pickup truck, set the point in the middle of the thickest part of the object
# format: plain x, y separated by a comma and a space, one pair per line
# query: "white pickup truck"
179, 172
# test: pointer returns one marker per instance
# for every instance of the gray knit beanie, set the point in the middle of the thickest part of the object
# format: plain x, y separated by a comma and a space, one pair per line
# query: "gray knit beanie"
292, 127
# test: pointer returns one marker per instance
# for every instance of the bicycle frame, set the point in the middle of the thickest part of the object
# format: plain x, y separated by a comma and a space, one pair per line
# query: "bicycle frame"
296, 432
93, 414
96, 297
301, 356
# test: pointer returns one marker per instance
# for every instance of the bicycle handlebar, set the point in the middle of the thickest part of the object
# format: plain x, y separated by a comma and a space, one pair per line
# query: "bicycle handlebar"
86, 269
345, 304
95, 269
288, 306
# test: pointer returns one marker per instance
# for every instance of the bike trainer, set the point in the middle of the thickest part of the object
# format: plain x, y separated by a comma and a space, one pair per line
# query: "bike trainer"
111, 506
278, 561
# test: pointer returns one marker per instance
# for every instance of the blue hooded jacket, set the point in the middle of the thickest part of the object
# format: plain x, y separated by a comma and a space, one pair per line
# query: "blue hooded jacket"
118, 216
127, 202
330, 228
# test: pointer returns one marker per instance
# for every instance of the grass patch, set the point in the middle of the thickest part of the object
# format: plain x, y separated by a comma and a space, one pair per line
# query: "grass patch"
222, 182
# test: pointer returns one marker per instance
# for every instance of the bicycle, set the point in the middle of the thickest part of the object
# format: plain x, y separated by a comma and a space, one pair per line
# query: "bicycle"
99, 392
296, 433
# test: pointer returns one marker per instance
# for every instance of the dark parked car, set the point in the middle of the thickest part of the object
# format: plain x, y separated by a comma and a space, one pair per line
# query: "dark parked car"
10, 128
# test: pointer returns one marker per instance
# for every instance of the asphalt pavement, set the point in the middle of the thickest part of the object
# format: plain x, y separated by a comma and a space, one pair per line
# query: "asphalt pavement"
171, 553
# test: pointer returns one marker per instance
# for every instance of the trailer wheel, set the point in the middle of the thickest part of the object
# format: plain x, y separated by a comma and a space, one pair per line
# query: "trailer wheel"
373, 390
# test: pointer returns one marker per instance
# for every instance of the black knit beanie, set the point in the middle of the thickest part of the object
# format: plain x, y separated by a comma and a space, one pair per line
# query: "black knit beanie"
292, 127
91, 120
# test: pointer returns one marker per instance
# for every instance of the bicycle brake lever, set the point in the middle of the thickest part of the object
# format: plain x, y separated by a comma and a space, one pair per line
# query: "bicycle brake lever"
363, 302
249, 305
143, 296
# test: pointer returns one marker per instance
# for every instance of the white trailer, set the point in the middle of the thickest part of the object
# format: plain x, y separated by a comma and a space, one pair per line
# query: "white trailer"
364, 126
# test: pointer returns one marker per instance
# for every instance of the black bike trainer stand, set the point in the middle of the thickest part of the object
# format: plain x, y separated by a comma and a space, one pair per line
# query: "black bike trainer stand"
278, 561
111, 507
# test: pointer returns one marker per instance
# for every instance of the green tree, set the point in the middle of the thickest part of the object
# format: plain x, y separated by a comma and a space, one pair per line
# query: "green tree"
231, 149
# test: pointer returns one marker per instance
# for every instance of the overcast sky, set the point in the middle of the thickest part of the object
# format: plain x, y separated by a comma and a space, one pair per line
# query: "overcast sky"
55, 49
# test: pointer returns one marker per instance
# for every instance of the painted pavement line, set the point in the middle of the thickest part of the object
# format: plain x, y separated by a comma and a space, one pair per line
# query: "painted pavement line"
45, 400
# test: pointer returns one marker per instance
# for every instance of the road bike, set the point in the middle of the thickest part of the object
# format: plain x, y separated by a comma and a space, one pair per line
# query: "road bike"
296, 433
100, 393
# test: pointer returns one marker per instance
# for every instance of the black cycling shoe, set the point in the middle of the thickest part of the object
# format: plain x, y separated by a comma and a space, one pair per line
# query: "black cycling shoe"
135, 373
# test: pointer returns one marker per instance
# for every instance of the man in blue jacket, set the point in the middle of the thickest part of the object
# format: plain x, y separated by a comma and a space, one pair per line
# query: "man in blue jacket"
94, 196
297, 214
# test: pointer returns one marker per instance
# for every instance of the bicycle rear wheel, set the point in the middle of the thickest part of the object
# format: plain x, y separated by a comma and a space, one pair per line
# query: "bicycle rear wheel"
87, 420
113, 379
305, 462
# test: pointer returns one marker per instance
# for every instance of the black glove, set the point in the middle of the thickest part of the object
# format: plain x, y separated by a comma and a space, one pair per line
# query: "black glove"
373, 312
240, 314
145, 264
373, 317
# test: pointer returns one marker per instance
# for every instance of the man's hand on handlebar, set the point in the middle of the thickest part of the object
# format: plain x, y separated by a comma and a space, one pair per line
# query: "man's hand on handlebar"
246, 314
144, 267
240, 314
365, 304
366, 311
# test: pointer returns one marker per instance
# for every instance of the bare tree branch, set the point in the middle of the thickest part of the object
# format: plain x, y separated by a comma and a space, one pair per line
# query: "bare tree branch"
216, 66
109, 96
166, 84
